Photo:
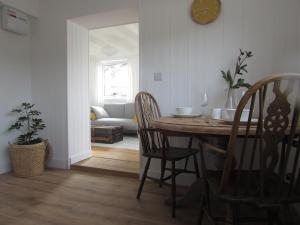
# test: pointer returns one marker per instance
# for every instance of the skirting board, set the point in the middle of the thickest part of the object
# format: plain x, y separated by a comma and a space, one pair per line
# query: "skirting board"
58, 164
5, 167
80, 157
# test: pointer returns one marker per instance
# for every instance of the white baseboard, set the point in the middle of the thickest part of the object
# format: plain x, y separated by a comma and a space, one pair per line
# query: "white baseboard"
58, 164
5, 167
80, 157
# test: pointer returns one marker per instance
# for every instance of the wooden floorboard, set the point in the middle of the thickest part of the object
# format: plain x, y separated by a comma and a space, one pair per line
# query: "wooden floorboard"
111, 161
116, 153
79, 198
61, 197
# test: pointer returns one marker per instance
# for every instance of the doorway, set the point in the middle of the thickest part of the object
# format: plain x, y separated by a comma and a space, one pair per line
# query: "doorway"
113, 84
102, 83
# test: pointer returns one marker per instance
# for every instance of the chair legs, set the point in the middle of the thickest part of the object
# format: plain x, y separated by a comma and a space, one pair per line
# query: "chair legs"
201, 214
173, 178
162, 174
186, 162
234, 214
196, 166
274, 217
173, 189
204, 209
143, 178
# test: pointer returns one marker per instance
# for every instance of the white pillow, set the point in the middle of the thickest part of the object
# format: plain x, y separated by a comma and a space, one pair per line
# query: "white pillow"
100, 112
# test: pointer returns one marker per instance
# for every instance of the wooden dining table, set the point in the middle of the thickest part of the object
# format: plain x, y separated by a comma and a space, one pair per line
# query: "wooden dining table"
197, 126
202, 126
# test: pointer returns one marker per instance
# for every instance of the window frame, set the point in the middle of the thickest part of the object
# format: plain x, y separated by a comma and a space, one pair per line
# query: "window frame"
112, 63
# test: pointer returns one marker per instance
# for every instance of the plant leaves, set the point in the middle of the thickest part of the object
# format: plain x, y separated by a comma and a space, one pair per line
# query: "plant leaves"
30, 123
229, 77
224, 75
241, 52
246, 85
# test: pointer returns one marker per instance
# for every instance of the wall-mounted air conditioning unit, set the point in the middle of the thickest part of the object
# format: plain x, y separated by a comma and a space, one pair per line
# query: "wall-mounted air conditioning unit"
15, 21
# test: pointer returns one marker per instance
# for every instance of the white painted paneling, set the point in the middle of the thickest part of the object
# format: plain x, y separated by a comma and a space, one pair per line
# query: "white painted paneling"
28, 6
15, 85
105, 19
79, 141
190, 56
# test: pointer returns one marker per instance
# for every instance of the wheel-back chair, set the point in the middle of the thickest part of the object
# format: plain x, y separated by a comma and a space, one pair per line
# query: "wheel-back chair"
261, 170
155, 145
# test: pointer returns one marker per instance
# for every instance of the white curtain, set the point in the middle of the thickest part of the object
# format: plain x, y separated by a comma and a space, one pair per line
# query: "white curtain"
96, 79
92, 81
134, 69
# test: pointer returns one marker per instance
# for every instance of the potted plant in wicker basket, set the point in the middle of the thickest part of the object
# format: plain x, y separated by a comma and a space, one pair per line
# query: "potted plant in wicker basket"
28, 153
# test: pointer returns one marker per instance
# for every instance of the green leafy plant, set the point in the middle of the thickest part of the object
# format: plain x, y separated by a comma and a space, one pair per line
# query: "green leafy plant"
235, 80
28, 123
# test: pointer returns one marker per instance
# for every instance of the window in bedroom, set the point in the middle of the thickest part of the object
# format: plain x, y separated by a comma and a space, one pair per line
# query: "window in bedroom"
114, 64
116, 79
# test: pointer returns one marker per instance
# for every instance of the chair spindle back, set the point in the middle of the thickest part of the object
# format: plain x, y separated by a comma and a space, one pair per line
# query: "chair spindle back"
270, 147
146, 108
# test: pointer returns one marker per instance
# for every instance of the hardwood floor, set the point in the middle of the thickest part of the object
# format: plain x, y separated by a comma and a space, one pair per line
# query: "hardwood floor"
111, 160
115, 153
78, 198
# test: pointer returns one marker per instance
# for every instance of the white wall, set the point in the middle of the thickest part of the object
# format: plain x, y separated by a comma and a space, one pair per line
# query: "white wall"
28, 6
79, 137
15, 85
190, 56
49, 64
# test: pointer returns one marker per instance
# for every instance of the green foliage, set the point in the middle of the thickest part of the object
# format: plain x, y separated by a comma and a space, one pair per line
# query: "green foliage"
28, 123
240, 70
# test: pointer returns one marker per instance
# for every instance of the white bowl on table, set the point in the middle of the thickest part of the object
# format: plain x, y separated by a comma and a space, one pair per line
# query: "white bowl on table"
184, 111
228, 114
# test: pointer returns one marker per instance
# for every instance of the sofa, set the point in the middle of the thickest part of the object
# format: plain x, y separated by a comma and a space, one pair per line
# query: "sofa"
121, 114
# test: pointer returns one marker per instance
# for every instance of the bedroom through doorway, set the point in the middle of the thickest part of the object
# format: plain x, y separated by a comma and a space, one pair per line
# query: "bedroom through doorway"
113, 84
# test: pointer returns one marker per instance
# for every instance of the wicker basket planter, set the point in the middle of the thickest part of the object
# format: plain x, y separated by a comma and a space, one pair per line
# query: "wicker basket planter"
28, 160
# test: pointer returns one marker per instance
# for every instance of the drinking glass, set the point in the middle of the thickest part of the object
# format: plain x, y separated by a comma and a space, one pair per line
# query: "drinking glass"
204, 102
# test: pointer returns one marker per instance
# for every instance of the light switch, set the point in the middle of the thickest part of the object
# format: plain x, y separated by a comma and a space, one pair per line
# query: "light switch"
157, 76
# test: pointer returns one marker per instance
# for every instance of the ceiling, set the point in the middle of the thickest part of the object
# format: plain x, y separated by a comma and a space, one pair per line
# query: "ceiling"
115, 42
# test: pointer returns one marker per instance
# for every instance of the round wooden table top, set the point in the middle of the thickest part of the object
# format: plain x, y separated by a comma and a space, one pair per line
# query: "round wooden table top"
197, 126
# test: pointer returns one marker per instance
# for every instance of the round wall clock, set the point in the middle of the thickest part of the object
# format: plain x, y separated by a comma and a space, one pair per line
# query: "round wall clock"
206, 11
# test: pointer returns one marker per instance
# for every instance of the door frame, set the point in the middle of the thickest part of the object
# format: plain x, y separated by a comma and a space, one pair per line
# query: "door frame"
79, 143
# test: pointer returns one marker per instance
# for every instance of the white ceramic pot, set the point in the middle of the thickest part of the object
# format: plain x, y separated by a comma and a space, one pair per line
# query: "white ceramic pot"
228, 114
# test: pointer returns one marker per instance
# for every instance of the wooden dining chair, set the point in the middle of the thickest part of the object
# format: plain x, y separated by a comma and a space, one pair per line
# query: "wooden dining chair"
155, 145
262, 169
